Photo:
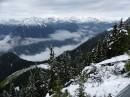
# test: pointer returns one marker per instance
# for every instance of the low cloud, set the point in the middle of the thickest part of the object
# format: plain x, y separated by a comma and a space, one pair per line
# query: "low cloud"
62, 35
45, 55
9, 43
58, 50
5, 45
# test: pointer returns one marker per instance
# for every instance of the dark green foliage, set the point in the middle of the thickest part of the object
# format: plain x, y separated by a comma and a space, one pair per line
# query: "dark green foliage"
62, 66
80, 91
57, 88
59, 68
99, 52
37, 84
12, 91
31, 90
10, 63
118, 41
105, 45
5, 94
127, 66
66, 94
114, 43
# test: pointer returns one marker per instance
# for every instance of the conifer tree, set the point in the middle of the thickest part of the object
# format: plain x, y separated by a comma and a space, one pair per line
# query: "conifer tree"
121, 25
53, 71
117, 40
22, 92
57, 88
5, 94
66, 94
81, 92
12, 91
31, 88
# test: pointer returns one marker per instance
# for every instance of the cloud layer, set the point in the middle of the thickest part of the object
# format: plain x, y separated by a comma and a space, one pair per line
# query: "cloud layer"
8, 42
62, 35
45, 55
108, 9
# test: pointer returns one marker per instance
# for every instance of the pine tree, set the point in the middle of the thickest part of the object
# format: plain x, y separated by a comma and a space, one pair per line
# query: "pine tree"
81, 92
22, 92
99, 52
12, 91
5, 94
66, 94
121, 25
31, 88
57, 88
53, 71
117, 40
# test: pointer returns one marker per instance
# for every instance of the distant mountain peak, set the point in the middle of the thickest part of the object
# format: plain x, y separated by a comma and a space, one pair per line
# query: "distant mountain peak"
33, 21
43, 21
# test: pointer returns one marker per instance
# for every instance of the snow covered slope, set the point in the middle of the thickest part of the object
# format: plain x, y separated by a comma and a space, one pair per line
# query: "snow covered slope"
104, 79
120, 58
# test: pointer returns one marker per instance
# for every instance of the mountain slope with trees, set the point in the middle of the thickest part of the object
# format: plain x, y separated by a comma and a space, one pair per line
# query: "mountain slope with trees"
67, 68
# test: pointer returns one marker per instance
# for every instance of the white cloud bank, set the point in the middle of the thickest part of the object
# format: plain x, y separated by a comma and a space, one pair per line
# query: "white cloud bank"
62, 35
58, 50
45, 55
9, 43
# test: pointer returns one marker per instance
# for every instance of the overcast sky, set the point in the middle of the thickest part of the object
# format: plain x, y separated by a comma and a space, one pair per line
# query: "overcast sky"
107, 9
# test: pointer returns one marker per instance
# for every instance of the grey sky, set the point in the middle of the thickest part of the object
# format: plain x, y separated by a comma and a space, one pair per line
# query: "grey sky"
107, 9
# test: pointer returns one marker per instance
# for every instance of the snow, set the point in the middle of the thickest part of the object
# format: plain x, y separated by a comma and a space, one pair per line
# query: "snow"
47, 95
43, 20
89, 69
105, 80
120, 58
71, 89
33, 21
111, 43
44, 66
124, 30
110, 29
112, 86
108, 80
17, 88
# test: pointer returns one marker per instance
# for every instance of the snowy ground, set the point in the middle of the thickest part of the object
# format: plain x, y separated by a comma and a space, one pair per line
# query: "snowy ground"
105, 79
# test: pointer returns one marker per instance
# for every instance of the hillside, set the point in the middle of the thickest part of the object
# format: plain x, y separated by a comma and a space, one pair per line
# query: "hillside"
104, 78
10, 63
92, 65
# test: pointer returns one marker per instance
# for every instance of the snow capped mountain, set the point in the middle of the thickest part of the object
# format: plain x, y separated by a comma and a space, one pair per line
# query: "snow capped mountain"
39, 33
41, 21
33, 21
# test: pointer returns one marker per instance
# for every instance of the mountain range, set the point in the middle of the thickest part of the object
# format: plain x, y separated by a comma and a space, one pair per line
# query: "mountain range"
20, 36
